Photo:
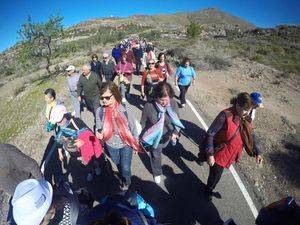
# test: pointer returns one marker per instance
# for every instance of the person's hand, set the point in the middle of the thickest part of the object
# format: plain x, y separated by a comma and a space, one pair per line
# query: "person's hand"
174, 137
143, 95
161, 79
60, 156
211, 160
193, 82
99, 135
79, 98
258, 159
79, 143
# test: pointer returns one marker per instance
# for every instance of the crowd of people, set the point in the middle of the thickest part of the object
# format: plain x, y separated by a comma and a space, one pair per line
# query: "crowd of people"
103, 87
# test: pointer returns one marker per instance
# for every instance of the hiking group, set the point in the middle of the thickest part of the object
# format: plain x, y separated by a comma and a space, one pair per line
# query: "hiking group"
103, 88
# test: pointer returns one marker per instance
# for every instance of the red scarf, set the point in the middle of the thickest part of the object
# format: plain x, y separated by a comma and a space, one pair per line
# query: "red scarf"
124, 132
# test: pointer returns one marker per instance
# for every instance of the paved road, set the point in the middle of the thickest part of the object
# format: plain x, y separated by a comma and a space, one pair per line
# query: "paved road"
179, 199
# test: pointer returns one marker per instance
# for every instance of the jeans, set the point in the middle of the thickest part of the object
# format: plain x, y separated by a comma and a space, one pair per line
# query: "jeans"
215, 173
76, 103
155, 159
122, 158
183, 91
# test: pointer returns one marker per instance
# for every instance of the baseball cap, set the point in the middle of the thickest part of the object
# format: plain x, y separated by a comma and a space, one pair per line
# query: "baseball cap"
71, 67
57, 113
31, 201
257, 99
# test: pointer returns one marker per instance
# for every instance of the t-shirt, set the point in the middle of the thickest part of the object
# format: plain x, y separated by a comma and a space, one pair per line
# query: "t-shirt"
185, 74
154, 75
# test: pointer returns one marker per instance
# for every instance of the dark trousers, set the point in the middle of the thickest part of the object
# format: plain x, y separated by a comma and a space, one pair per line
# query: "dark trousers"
122, 158
92, 103
215, 173
183, 91
155, 159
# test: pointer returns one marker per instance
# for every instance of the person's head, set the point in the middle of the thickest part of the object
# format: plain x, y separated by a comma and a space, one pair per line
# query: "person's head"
70, 70
109, 94
186, 62
50, 95
123, 57
151, 64
59, 115
95, 57
105, 57
86, 69
242, 103
31, 201
257, 99
161, 57
112, 218
162, 93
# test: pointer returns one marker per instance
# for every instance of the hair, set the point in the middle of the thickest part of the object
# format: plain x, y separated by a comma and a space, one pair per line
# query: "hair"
163, 89
243, 99
51, 92
160, 55
113, 88
184, 60
87, 65
112, 218
94, 55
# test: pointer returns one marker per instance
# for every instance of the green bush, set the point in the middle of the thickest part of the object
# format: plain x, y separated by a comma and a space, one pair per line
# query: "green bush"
194, 30
257, 58
232, 34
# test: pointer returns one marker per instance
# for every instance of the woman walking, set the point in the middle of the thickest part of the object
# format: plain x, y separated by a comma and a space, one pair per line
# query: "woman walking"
226, 137
184, 77
160, 125
163, 65
116, 128
150, 79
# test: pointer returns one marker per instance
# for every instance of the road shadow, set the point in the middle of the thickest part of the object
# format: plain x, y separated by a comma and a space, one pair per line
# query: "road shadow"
145, 158
136, 101
196, 135
188, 205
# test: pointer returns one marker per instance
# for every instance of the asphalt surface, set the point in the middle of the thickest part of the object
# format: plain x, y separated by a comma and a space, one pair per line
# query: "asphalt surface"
179, 199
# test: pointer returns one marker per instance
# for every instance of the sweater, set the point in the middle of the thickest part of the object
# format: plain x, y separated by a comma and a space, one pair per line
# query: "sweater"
90, 86
15, 167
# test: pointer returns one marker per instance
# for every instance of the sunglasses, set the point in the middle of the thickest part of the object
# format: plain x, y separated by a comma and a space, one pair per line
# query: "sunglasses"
105, 97
151, 63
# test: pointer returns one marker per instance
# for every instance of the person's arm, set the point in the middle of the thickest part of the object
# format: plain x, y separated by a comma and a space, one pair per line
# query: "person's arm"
143, 82
175, 108
193, 75
98, 119
79, 86
23, 162
98, 82
178, 71
257, 149
145, 113
214, 128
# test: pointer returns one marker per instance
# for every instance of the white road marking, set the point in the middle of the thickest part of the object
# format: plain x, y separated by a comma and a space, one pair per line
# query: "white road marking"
231, 168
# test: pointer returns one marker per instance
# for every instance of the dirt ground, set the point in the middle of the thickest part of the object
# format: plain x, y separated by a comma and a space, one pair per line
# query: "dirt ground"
277, 124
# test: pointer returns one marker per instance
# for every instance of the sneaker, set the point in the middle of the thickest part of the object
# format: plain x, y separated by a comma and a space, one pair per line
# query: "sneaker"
89, 177
97, 171
124, 100
157, 179
124, 187
182, 105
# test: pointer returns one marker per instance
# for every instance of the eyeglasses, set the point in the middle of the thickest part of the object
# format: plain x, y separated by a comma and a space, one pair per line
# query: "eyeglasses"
151, 63
105, 97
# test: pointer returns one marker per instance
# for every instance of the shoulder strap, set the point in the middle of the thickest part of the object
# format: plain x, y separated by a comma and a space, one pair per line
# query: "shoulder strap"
74, 124
234, 135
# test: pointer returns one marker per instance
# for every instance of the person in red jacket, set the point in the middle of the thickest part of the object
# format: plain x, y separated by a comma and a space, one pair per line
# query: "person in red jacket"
226, 137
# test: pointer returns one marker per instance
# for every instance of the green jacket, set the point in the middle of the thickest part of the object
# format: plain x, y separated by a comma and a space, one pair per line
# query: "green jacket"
90, 87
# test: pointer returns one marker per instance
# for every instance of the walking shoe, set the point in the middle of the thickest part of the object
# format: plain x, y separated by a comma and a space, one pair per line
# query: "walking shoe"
97, 171
89, 177
124, 100
124, 187
157, 179
182, 105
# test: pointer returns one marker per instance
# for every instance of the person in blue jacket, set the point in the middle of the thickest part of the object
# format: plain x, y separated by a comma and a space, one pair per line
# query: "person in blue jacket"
184, 77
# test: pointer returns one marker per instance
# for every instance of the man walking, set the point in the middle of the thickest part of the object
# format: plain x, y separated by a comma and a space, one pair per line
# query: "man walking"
72, 80
108, 68
89, 84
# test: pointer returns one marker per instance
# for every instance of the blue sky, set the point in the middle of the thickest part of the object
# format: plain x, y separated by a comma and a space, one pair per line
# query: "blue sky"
262, 13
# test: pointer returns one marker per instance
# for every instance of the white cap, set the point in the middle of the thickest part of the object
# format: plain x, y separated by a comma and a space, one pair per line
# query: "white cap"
71, 67
57, 113
31, 201
105, 55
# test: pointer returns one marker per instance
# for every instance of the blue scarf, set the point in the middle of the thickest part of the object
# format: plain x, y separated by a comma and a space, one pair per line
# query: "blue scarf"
64, 131
154, 134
